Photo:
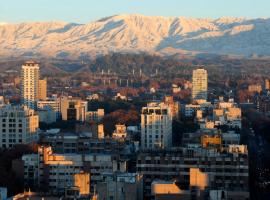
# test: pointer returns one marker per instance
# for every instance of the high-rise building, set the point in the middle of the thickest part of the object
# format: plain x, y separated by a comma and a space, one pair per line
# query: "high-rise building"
30, 83
42, 89
18, 125
199, 84
156, 126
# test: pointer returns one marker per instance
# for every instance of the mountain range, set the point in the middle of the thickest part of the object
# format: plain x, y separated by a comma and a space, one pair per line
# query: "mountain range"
135, 34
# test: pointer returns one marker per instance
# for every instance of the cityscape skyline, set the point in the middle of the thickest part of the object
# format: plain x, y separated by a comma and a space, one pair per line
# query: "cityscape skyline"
84, 12
135, 100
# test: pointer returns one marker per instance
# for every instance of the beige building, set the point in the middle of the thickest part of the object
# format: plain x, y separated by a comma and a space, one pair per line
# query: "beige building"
73, 108
257, 88
174, 106
120, 131
170, 190
42, 89
18, 125
199, 84
30, 83
82, 181
266, 84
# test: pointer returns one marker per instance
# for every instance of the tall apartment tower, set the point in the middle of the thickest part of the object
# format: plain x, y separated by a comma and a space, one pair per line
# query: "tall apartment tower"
30, 84
199, 84
156, 126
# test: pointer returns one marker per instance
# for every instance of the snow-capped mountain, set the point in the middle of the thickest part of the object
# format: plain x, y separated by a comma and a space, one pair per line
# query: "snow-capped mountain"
137, 33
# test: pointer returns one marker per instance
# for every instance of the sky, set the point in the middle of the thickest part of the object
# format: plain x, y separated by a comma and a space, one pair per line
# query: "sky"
84, 11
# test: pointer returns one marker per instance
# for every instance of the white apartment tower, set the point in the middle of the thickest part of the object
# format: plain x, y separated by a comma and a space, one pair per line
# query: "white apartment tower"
18, 125
30, 84
156, 126
199, 84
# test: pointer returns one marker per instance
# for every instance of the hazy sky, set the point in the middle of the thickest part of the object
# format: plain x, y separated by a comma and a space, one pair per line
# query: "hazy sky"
83, 11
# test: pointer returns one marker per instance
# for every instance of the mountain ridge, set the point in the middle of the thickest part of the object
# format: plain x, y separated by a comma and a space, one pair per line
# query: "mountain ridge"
134, 33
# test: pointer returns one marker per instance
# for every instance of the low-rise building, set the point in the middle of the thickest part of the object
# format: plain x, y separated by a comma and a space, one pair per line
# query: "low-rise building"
95, 116
120, 132
51, 103
125, 186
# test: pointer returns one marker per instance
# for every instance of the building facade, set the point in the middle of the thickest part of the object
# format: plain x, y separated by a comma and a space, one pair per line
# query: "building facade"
156, 126
18, 125
42, 89
73, 109
227, 168
199, 84
30, 84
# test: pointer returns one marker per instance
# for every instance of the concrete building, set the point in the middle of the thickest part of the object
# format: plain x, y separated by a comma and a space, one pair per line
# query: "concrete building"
199, 84
42, 89
227, 167
2, 101
176, 89
211, 141
73, 109
18, 125
156, 126
266, 84
227, 113
190, 110
3, 193
47, 115
81, 143
174, 106
82, 181
255, 88
124, 186
50, 103
95, 116
170, 190
57, 172
211, 138
120, 132
30, 84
